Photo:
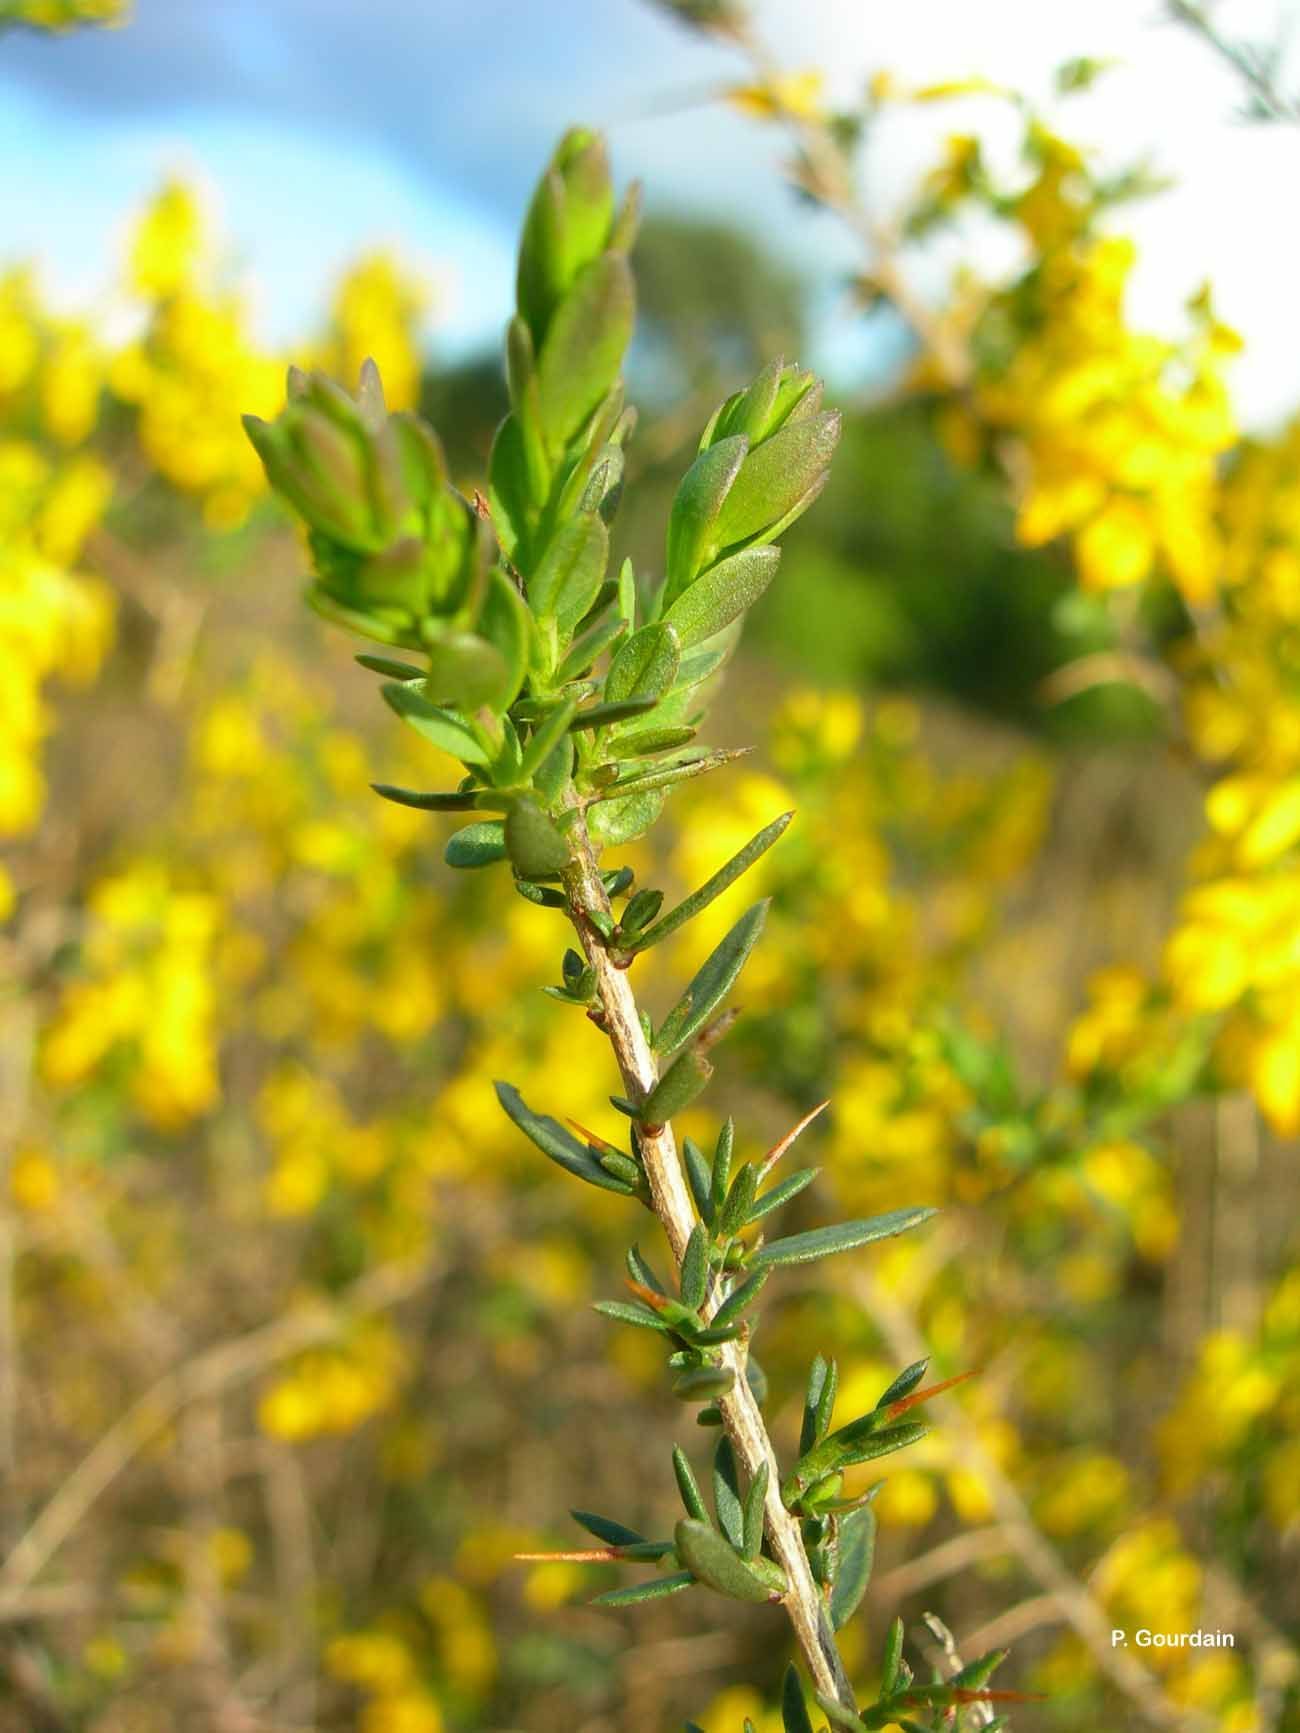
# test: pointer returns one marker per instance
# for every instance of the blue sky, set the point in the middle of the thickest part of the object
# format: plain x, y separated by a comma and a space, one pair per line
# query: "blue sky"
320, 126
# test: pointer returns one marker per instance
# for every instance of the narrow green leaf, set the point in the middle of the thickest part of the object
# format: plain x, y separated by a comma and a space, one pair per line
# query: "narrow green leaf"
601, 715
776, 478
545, 738
849, 1446
736, 1304
554, 1141
695, 1269
583, 347
688, 1486
686, 1078
622, 820
740, 1199
713, 888
641, 1271
506, 622
570, 573
665, 777
904, 1384
657, 1589
753, 1513
426, 802
606, 1529
839, 1237
646, 742
841, 1717
584, 650
891, 1664
628, 1312
715, 979
697, 1174
727, 1501
709, 1558
857, 1551
722, 1162
781, 1194
702, 1383
390, 669
794, 1711
977, 1673
477, 845
696, 506
438, 726
645, 666
722, 595
818, 1402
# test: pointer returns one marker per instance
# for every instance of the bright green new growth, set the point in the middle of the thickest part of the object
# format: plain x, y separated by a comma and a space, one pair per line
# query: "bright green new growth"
572, 699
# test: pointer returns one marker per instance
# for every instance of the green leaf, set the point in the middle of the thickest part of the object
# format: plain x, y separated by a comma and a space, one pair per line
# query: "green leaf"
722, 1152
465, 670
841, 1717
477, 845
583, 348
646, 742
554, 1141
615, 822
506, 621
698, 501
739, 1302
976, 1674
584, 650
726, 1494
794, 1711
601, 715
739, 1201
697, 1174
777, 478
392, 670
840, 1237
857, 1551
545, 738
662, 778
891, 1664
904, 1384
534, 842
695, 1269
629, 1312
439, 726
859, 1442
780, 1194
715, 979
570, 573
687, 1077
753, 1513
456, 802
509, 489
645, 666
657, 1589
606, 1529
688, 1486
823, 1377
702, 1383
709, 1558
722, 595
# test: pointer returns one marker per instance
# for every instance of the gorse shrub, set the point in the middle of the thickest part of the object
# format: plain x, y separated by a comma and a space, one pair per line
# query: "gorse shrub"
573, 699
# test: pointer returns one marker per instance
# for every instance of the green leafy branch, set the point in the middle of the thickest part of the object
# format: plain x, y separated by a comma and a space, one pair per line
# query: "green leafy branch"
572, 700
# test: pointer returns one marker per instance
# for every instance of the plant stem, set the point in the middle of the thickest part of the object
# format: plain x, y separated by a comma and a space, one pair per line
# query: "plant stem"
741, 1417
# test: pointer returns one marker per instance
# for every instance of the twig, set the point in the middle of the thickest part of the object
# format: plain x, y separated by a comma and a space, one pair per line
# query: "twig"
740, 1412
